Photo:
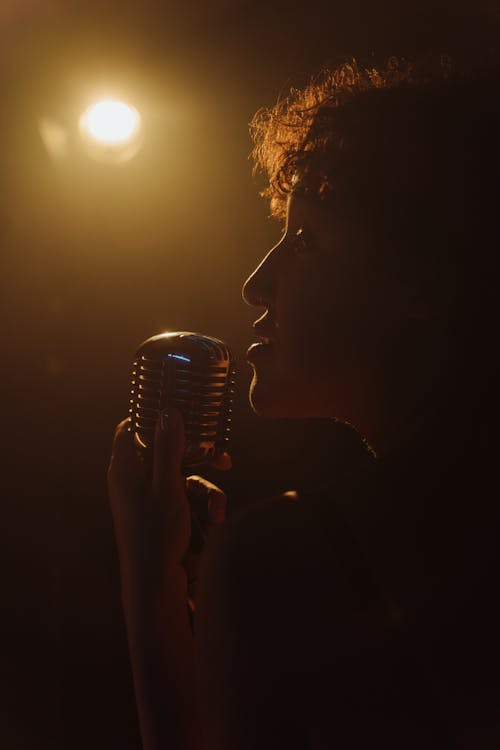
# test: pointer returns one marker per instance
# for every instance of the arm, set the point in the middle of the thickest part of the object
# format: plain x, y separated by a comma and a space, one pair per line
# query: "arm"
161, 657
152, 527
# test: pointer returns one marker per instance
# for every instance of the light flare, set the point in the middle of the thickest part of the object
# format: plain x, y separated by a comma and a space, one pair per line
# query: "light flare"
111, 122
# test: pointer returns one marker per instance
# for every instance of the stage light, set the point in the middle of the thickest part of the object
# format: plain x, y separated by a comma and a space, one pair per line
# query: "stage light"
111, 130
111, 121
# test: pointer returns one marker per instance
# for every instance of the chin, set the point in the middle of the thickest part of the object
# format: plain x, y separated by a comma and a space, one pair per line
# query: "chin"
269, 399
279, 399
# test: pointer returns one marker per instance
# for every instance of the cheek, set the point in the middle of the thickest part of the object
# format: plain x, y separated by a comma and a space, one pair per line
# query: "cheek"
315, 319
331, 323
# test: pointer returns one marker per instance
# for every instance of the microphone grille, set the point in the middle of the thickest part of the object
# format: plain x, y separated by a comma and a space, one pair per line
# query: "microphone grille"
193, 372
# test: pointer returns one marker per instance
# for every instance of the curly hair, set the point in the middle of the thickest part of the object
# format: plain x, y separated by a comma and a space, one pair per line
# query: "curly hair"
409, 154
315, 132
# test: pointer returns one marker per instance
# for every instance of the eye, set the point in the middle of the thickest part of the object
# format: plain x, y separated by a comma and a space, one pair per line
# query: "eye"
302, 243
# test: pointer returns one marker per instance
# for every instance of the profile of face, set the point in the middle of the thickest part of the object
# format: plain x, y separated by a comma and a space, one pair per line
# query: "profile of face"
332, 315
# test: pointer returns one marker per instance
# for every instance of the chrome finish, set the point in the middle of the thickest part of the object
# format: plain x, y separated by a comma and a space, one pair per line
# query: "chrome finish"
194, 373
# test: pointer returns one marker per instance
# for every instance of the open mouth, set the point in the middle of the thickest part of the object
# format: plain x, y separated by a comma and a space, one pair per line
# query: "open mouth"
265, 330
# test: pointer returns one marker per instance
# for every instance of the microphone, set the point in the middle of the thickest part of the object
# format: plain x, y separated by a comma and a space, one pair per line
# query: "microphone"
194, 373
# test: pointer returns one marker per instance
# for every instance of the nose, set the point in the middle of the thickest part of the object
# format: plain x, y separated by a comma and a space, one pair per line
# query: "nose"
259, 290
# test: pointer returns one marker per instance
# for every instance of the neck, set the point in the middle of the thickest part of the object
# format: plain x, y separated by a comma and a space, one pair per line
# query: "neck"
412, 399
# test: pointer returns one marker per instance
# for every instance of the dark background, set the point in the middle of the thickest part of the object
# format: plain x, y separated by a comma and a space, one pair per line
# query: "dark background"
97, 257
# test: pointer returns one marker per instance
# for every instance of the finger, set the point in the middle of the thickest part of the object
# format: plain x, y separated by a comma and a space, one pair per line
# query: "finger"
121, 434
168, 453
125, 465
215, 498
217, 504
222, 462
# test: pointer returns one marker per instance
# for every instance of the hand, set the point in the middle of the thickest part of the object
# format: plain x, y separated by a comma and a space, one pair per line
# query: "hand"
208, 504
153, 528
149, 507
152, 517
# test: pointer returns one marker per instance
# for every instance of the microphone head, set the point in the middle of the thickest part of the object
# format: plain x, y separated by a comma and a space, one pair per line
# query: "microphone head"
194, 373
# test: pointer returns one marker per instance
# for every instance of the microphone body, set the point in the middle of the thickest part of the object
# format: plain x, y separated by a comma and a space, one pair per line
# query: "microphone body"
194, 373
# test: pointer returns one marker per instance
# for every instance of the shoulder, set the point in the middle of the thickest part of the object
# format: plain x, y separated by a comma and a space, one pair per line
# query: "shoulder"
290, 555
254, 542
295, 524
276, 529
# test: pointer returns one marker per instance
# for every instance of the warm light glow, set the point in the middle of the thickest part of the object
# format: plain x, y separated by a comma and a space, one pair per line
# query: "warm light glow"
111, 122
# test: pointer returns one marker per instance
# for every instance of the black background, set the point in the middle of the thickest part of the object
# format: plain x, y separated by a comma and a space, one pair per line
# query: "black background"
97, 257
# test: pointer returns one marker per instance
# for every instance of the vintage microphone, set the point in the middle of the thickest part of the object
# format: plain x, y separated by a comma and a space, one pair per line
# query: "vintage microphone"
194, 373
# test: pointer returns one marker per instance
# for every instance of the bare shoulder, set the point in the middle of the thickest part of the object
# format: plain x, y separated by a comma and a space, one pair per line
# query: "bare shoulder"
250, 538
278, 513
283, 555
291, 524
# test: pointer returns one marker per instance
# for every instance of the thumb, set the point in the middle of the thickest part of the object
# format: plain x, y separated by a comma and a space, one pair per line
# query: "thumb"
211, 496
125, 466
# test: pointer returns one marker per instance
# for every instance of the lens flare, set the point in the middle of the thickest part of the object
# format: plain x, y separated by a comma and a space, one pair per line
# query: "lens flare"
111, 122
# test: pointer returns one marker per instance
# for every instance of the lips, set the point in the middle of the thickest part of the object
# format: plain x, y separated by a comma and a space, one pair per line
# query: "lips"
264, 339
265, 330
256, 351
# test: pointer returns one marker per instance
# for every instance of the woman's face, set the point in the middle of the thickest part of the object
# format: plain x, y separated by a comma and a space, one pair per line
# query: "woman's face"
329, 321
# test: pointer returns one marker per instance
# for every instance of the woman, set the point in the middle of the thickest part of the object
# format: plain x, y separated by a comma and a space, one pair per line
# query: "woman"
364, 611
